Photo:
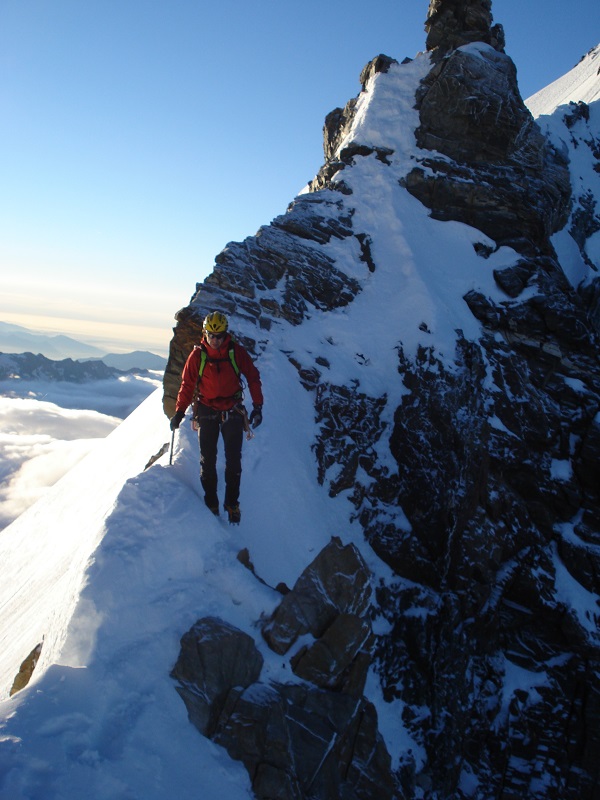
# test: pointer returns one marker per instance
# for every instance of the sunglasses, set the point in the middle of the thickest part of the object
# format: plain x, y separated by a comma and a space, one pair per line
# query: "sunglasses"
210, 335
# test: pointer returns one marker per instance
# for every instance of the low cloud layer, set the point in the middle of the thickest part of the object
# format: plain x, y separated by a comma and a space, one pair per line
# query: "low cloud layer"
47, 428
115, 396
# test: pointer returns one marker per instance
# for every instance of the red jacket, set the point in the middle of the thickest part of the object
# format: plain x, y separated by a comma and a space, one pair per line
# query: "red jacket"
219, 385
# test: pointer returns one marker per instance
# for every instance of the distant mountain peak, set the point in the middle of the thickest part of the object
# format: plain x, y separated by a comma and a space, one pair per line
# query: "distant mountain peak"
57, 347
16, 339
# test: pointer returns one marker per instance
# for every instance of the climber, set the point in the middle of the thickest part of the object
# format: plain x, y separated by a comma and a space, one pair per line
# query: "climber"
211, 381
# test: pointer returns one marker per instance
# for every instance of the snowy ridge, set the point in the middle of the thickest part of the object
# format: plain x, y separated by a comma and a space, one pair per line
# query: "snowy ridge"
112, 567
48, 547
424, 267
581, 84
385, 115
577, 139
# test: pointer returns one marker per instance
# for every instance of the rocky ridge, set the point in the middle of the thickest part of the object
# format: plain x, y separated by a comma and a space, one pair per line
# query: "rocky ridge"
472, 469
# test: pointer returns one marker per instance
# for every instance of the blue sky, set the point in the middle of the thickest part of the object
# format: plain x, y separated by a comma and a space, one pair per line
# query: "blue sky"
138, 137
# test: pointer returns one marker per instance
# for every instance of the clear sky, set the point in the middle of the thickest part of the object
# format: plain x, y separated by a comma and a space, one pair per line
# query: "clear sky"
138, 137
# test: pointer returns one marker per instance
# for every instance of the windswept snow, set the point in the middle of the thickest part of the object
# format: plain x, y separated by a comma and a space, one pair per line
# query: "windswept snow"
553, 107
385, 114
47, 548
581, 84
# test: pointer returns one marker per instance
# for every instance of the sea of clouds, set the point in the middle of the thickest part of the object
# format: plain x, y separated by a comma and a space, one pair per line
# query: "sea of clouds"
46, 428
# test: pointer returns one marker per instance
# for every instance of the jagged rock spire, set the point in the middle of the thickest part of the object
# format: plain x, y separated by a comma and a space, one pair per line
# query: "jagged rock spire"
471, 111
452, 23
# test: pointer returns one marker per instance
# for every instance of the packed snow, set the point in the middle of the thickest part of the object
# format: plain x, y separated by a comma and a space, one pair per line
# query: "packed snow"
116, 562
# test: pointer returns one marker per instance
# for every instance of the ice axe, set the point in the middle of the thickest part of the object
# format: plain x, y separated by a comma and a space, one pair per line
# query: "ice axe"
171, 450
247, 428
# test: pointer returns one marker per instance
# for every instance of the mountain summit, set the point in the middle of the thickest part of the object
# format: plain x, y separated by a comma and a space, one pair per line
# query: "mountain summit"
410, 606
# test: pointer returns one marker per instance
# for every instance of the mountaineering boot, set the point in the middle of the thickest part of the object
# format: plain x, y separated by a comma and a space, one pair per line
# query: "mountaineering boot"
212, 503
234, 513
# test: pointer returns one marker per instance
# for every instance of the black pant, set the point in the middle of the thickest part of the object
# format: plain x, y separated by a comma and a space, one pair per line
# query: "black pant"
231, 426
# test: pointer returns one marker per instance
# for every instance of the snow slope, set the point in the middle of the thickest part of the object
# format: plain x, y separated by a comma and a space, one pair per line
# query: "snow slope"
110, 570
581, 84
576, 142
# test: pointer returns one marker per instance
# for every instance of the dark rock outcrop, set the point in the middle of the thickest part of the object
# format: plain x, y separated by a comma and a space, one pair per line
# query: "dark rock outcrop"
316, 738
494, 170
584, 222
339, 658
214, 657
280, 257
337, 582
26, 670
453, 23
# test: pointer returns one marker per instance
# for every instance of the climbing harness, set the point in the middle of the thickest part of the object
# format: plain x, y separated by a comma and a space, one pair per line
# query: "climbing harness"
223, 416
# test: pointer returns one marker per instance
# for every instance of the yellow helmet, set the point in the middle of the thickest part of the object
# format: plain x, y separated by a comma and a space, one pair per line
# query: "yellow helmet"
215, 322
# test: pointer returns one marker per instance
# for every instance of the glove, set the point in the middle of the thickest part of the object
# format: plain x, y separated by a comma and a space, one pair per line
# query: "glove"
176, 419
256, 416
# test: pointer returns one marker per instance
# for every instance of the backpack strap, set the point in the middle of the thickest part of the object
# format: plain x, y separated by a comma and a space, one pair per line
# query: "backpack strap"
231, 351
204, 357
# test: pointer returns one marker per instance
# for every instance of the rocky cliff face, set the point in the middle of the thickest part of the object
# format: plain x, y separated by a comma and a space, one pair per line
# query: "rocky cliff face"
466, 441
